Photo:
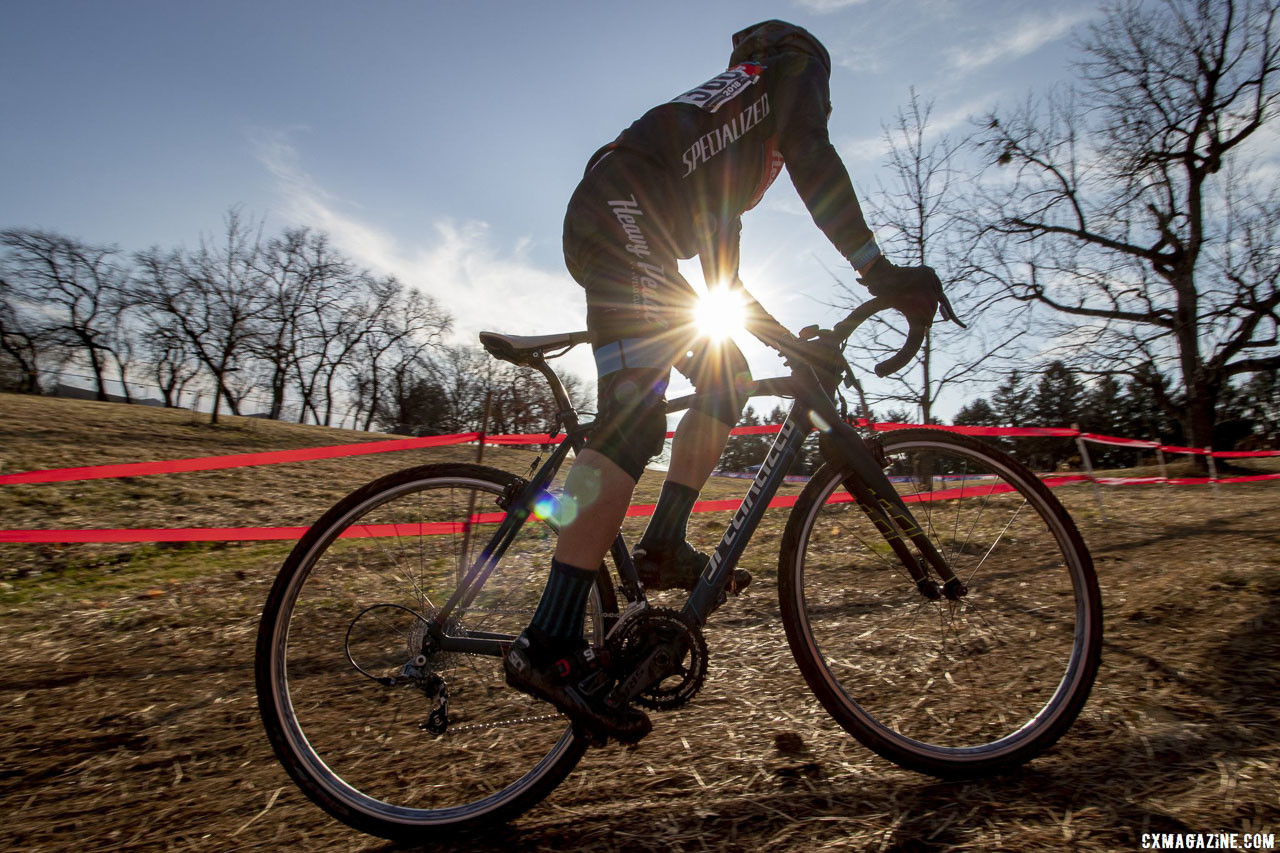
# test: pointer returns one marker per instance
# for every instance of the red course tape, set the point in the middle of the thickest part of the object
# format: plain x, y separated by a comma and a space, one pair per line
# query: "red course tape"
225, 534
276, 457
268, 534
236, 460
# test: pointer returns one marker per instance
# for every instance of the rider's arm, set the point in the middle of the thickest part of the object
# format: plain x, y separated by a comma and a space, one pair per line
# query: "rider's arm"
719, 254
719, 257
757, 320
815, 168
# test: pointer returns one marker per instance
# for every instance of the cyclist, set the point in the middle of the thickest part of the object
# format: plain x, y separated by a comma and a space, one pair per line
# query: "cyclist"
674, 185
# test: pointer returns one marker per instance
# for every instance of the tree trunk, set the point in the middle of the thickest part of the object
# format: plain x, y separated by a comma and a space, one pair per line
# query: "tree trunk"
124, 380
217, 397
278, 380
96, 363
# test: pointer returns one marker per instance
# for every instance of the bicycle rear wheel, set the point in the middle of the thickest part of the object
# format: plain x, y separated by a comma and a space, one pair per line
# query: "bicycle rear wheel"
350, 612
950, 688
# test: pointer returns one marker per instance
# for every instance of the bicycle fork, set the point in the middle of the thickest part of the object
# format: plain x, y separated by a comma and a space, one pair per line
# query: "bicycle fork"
877, 497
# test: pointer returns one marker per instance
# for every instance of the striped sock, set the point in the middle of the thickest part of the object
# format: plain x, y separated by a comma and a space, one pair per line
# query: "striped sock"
562, 610
669, 525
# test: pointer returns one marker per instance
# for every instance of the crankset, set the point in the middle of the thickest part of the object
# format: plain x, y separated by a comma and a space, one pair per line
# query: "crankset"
660, 658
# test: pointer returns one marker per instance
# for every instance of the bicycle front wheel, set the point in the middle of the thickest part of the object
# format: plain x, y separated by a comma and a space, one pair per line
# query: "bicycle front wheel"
951, 688
374, 722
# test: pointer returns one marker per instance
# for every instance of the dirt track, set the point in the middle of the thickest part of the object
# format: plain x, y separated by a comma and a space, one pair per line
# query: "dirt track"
128, 721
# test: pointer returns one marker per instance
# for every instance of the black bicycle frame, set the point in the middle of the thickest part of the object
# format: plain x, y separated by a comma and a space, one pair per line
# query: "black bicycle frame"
843, 446
706, 594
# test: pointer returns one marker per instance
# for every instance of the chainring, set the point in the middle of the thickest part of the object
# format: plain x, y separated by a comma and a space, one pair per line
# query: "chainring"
637, 635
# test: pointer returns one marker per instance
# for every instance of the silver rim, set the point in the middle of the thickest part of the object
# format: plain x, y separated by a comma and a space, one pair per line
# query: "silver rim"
303, 726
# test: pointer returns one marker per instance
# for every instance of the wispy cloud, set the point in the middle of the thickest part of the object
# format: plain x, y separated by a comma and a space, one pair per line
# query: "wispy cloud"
824, 6
875, 149
1027, 36
866, 149
484, 286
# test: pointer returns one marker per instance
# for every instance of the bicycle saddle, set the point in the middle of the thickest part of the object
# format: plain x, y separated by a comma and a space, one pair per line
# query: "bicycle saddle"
522, 349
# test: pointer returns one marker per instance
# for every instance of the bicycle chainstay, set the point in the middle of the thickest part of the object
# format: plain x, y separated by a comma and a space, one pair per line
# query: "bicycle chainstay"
650, 647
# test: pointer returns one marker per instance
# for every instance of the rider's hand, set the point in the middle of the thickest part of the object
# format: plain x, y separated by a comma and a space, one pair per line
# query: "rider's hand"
915, 291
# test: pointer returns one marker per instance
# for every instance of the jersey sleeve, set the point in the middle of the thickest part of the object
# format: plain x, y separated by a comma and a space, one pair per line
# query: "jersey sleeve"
719, 253
803, 97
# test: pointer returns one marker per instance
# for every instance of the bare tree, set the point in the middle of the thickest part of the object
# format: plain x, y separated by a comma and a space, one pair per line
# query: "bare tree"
212, 298
922, 210
22, 345
306, 283
172, 364
1127, 208
72, 293
462, 388
399, 327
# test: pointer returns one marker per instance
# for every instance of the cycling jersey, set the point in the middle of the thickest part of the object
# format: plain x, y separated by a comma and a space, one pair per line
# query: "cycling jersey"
674, 185
724, 142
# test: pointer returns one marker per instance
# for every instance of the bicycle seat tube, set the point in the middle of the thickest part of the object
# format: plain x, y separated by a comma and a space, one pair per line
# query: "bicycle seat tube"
517, 513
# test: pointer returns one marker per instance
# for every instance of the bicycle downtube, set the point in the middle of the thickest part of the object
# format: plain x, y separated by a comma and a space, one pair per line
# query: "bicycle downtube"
706, 594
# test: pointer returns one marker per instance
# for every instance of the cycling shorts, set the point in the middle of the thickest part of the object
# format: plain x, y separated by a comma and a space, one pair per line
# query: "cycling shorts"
619, 245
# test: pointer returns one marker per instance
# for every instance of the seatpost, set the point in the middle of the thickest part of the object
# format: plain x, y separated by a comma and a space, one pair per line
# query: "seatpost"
568, 416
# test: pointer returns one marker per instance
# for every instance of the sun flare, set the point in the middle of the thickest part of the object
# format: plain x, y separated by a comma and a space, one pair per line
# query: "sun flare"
719, 313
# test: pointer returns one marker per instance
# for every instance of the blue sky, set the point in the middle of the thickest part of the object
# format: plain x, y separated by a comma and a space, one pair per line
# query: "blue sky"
440, 141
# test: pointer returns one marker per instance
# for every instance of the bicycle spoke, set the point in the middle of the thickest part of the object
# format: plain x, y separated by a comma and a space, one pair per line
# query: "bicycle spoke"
955, 531
1007, 525
366, 743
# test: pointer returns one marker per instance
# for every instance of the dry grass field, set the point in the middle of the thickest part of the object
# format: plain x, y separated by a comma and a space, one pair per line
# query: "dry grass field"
128, 719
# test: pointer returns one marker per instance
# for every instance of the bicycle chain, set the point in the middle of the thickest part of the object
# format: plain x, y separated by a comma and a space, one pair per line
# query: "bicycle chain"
503, 724
630, 642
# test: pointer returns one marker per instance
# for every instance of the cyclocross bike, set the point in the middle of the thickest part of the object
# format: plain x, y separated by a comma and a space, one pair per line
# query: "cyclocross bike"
937, 597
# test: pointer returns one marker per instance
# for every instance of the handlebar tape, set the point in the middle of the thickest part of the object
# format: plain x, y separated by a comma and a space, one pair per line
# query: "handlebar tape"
915, 334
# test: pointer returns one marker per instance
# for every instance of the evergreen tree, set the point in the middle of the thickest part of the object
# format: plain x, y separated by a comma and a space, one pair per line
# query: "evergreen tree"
1104, 413
977, 413
743, 451
1233, 422
1144, 417
1010, 401
1056, 402
982, 413
1262, 402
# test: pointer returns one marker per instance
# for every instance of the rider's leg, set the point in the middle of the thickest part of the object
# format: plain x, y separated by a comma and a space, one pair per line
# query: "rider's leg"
720, 373
595, 499
596, 496
550, 659
695, 450
597, 492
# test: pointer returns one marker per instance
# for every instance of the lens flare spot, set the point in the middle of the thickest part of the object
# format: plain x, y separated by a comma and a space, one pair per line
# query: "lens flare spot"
564, 510
546, 508
720, 313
